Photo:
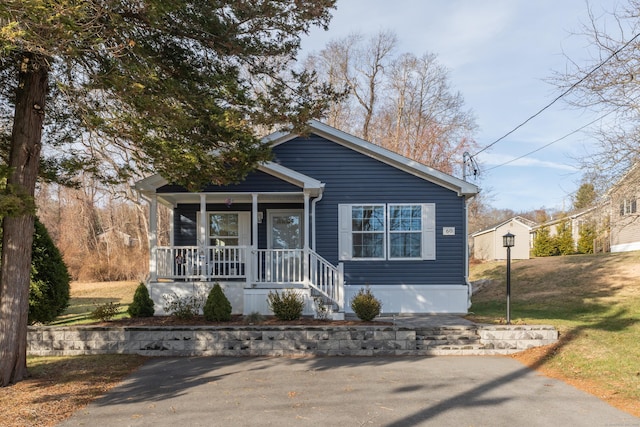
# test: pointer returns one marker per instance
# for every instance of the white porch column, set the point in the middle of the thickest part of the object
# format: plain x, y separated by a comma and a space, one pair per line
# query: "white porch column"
202, 236
253, 257
305, 239
153, 238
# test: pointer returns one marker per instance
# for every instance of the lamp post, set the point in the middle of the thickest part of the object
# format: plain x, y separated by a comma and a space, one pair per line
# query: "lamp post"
508, 240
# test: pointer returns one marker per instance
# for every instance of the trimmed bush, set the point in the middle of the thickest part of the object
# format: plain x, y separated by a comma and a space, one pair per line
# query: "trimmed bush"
289, 306
217, 308
142, 305
49, 287
365, 305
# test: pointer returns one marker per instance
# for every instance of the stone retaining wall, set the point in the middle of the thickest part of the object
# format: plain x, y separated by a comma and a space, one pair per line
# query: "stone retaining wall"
273, 341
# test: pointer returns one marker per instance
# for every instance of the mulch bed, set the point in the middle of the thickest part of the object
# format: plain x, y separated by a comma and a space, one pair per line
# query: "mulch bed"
236, 320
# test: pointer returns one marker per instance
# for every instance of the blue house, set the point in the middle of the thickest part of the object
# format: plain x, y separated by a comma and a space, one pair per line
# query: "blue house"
329, 215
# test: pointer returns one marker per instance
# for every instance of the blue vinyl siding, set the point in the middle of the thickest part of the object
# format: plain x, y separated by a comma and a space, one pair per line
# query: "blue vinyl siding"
256, 181
352, 177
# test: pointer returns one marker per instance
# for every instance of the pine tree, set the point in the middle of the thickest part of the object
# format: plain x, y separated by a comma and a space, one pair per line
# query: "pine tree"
543, 244
179, 86
564, 239
586, 237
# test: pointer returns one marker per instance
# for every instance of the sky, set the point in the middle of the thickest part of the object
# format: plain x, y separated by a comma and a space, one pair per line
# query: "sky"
500, 55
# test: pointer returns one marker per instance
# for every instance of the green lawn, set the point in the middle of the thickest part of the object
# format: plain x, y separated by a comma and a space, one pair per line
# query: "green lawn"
593, 300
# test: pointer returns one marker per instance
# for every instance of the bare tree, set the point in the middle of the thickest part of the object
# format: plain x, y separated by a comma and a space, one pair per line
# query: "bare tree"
609, 84
402, 102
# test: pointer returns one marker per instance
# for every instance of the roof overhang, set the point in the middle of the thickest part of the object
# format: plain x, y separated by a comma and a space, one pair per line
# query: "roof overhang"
463, 188
312, 187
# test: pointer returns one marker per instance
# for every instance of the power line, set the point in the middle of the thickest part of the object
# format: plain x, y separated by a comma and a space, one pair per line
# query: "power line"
557, 98
551, 143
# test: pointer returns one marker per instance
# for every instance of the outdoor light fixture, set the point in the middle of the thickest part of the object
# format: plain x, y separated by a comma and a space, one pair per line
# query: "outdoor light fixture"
508, 240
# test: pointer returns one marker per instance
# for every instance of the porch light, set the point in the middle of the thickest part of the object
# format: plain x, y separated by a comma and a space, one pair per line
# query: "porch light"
508, 241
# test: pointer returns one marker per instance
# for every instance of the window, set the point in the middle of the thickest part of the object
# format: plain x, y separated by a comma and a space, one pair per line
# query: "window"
392, 231
368, 228
223, 229
405, 231
628, 206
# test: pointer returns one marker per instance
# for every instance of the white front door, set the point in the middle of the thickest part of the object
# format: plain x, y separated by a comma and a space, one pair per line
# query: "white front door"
284, 233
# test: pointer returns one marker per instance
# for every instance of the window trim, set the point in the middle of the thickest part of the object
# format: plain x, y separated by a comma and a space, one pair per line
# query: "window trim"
428, 235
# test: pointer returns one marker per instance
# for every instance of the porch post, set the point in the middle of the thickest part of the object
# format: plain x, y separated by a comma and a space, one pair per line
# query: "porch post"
305, 239
153, 238
253, 258
202, 237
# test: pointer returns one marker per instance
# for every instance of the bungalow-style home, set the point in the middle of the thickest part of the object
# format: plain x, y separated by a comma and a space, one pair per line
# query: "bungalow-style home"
487, 244
329, 215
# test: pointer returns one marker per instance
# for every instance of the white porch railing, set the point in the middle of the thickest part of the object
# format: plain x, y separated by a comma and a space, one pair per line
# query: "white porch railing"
191, 262
260, 266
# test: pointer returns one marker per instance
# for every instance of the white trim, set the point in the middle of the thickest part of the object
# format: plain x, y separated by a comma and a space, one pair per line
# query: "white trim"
419, 299
427, 233
626, 247
462, 187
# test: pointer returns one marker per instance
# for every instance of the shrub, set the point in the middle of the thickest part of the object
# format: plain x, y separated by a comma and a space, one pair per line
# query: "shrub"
105, 312
49, 286
255, 318
183, 308
142, 305
217, 308
289, 306
365, 305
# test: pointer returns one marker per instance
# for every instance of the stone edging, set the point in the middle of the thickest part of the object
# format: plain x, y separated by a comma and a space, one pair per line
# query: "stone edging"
285, 341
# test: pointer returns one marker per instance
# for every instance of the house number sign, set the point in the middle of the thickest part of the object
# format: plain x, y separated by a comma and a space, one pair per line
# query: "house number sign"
448, 231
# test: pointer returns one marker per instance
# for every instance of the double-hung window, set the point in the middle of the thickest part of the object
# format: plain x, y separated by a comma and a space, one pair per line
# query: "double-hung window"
223, 229
400, 231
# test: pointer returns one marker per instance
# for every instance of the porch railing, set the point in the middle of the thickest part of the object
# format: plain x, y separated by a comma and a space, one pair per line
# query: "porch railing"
259, 266
190, 262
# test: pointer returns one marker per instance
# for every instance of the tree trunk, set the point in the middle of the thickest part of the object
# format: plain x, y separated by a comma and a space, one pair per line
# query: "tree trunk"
17, 227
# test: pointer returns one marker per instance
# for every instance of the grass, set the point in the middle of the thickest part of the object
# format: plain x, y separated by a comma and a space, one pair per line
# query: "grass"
86, 296
593, 300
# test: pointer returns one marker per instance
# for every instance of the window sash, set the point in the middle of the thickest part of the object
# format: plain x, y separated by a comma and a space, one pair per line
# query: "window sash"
405, 231
368, 238
224, 229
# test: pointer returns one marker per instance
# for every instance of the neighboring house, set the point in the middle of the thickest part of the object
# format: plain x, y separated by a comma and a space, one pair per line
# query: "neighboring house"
330, 214
575, 220
624, 215
487, 244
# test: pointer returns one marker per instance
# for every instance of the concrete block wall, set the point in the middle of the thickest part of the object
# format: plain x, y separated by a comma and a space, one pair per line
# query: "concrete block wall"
273, 341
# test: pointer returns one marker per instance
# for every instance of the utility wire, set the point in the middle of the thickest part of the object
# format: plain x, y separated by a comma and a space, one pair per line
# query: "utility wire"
551, 143
557, 98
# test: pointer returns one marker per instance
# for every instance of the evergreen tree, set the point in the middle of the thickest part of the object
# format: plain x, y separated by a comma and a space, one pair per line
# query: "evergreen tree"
179, 86
49, 287
564, 239
217, 308
543, 244
585, 197
142, 305
586, 237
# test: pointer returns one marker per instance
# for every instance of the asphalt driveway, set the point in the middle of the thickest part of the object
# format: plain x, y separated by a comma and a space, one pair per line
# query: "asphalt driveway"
345, 391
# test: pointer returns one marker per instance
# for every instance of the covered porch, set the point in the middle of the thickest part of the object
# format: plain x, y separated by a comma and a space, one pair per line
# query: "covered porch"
249, 241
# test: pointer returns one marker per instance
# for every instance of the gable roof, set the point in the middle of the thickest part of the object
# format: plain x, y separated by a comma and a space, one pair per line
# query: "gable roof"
463, 188
151, 184
527, 223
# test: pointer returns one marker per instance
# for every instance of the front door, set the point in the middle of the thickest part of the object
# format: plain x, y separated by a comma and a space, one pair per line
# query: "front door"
285, 234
